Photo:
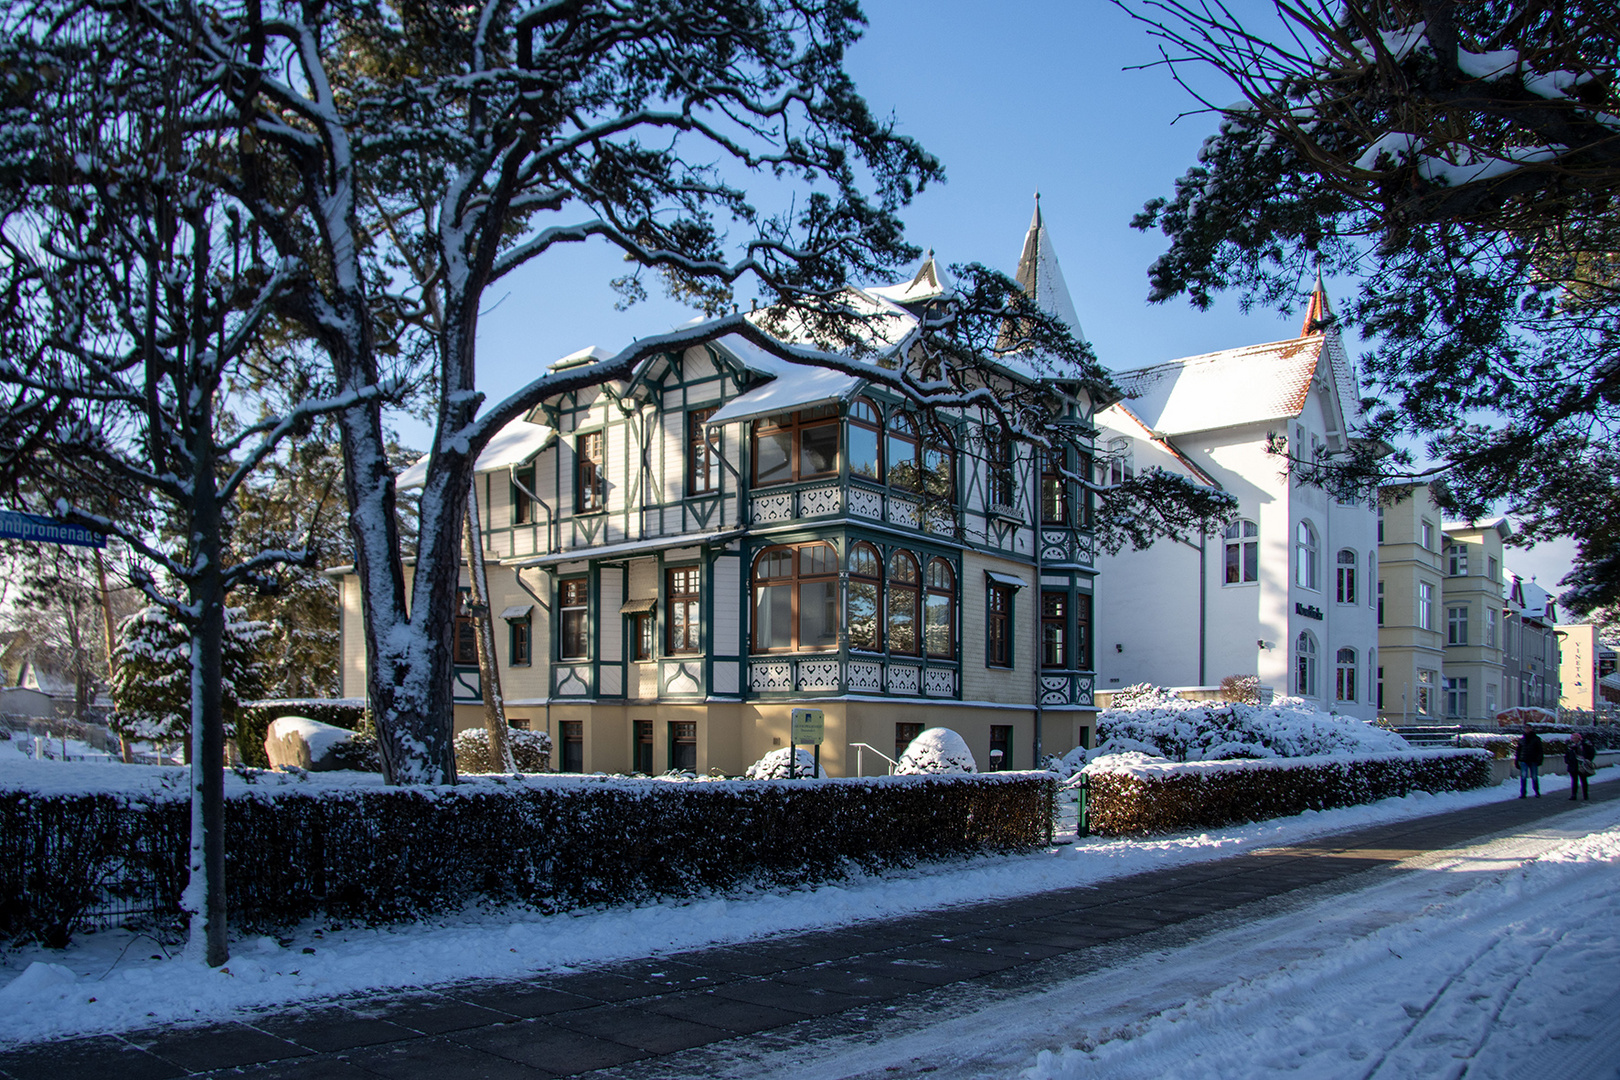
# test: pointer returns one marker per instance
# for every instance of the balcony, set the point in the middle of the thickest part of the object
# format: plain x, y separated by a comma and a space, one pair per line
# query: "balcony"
828, 674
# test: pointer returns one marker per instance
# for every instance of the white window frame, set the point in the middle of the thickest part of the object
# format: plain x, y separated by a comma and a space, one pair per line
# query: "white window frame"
1307, 557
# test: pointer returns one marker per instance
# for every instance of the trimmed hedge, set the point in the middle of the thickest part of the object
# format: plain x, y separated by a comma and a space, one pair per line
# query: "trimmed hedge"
374, 854
253, 720
1160, 798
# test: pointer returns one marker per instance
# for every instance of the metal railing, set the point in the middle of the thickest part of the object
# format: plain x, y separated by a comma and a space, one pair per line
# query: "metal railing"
860, 758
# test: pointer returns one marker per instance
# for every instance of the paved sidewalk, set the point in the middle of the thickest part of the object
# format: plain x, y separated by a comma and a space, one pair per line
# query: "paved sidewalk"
689, 1014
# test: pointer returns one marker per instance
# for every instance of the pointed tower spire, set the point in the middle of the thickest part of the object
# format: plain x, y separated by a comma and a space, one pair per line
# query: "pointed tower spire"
1317, 311
1040, 276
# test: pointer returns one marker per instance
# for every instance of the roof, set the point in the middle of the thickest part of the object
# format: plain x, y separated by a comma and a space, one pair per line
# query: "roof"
1042, 278
514, 444
1502, 525
1248, 385
930, 283
799, 386
628, 547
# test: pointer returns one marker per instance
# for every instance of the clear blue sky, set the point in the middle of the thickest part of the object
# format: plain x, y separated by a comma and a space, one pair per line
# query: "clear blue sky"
1014, 97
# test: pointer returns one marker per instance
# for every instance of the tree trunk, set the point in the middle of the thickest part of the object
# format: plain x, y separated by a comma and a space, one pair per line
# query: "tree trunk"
489, 676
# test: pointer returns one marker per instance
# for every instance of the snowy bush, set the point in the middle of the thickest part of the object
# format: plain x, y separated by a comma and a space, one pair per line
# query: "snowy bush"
531, 751
1155, 721
936, 751
1133, 795
774, 766
151, 689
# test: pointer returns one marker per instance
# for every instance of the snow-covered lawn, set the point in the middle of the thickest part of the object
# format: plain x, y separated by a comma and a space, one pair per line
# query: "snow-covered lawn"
115, 981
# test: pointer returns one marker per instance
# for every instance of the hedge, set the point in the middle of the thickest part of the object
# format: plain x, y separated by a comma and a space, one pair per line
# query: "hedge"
377, 854
1159, 798
253, 720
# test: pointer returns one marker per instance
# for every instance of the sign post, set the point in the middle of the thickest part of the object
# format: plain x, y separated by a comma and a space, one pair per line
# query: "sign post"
807, 726
15, 526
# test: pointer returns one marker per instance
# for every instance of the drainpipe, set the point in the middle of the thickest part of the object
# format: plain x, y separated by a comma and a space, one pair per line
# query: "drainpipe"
538, 501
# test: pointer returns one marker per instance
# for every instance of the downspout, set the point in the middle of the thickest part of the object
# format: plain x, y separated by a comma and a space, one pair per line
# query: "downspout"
1203, 564
538, 501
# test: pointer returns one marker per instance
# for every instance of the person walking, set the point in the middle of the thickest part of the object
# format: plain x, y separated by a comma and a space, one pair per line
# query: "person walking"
1580, 758
1528, 756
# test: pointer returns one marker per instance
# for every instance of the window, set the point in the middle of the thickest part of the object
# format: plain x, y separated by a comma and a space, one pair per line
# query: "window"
1425, 610
1000, 747
644, 747
1118, 465
683, 610
590, 480
1305, 665
796, 446
702, 453
900, 452
1456, 698
642, 636
1490, 628
1426, 535
573, 604
1082, 631
939, 610
1001, 465
865, 438
1306, 571
1242, 552
1491, 568
1054, 629
1424, 702
865, 588
939, 465
1344, 676
796, 598
998, 626
1380, 524
903, 735
466, 643
1457, 560
1456, 626
904, 580
683, 745
1380, 686
573, 745
522, 503
1346, 582
1380, 603
520, 638
1054, 489
1372, 571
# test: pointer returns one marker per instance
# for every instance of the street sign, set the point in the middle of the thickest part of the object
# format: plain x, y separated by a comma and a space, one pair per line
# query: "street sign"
809, 727
15, 526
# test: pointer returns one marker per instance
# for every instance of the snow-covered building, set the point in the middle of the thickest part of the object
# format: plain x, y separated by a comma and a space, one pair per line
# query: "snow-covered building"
1286, 593
678, 560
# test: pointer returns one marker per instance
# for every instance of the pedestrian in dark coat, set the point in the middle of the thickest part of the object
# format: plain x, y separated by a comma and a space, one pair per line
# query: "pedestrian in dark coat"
1577, 751
1528, 757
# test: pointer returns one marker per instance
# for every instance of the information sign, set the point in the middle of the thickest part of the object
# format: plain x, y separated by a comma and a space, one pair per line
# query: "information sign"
809, 727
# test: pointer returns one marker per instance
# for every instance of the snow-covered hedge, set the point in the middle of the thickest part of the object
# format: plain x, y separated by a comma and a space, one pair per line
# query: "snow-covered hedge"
1155, 721
1133, 794
346, 847
531, 751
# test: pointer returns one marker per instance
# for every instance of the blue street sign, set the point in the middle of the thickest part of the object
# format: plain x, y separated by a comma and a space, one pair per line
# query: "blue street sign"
15, 526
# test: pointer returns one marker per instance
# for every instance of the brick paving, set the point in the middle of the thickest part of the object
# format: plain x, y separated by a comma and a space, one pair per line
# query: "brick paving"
685, 1015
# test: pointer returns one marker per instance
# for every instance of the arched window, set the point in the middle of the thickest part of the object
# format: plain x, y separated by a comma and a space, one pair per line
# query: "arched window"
1346, 581
1242, 552
903, 603
865, 587
1305, 665
939, 465
939, 608
900, 450
796, 598
1344, 676
865, 437
1306, 571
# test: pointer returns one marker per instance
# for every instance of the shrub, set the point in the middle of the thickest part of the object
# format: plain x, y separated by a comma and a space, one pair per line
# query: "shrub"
1155, 797
531, 751
300, 847
1242, 689
1156, 721
936, 751
774, 766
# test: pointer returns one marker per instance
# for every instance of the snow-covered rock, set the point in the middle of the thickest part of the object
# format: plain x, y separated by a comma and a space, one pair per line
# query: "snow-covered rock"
301, 743
774, 766
936, 750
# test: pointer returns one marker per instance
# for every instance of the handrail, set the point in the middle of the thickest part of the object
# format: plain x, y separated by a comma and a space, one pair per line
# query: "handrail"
860, 758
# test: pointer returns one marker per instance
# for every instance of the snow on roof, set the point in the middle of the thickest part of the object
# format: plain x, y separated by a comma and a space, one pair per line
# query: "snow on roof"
1499, 523
799, 386
1537, 601
930, 283
1042, 277
588, 355
514, 444
1247, 385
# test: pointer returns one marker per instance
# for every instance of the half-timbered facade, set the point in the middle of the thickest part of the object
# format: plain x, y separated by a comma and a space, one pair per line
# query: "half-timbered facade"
678, 560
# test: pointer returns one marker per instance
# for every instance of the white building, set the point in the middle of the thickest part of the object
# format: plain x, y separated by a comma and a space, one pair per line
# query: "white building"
1288, 593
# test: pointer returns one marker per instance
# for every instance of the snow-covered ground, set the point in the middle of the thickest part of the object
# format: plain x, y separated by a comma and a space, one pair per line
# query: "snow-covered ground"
115, 981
